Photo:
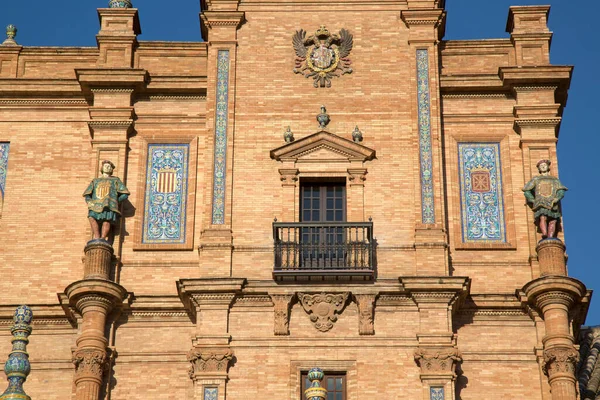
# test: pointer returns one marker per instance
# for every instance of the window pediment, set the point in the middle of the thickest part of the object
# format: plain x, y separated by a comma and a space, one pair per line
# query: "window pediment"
323, 146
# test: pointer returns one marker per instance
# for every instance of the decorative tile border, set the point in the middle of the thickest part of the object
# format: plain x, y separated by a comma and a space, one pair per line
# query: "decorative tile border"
220, 153
436, 393
166, 194
211, 393
4, 147
427, 206
481, 200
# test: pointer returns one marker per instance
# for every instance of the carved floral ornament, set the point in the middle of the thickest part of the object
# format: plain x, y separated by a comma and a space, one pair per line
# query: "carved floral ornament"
560, 360
323, 308
323, 55
209, 361
437, 361
90, 363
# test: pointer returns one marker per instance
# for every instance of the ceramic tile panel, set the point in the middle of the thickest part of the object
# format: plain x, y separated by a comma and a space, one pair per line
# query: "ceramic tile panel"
220, 151
211, 393
424, 123
4, 147
481, 198
166, 194
436, 393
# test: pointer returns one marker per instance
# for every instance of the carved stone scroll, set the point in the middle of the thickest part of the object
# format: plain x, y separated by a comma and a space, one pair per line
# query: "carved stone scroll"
281, 313
365, 304
323, 308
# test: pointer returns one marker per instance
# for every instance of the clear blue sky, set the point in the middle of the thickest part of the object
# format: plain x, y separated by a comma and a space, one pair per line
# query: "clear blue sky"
575, 42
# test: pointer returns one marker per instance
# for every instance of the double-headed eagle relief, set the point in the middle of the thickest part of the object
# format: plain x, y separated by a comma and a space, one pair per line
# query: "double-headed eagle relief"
322, 55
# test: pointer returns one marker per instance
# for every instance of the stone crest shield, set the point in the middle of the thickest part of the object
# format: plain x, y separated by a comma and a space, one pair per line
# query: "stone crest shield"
322, 55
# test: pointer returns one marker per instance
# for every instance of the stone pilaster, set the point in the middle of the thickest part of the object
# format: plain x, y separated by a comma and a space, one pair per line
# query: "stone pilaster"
356, 194
219, 25
437, 354
425, 21
117, 38
540, 91
529, 33
555, 297
208, 301
289, 190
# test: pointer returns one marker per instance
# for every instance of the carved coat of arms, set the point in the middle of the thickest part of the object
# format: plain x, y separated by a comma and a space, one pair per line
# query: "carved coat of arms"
322, 55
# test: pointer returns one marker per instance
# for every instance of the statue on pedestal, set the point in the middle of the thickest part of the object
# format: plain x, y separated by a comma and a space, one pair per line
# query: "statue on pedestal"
544, 193
103, 196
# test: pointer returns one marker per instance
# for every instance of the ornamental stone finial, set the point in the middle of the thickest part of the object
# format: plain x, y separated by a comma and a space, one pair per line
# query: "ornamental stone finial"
11, 33
17, 367
323, 118
315, 391
120, 4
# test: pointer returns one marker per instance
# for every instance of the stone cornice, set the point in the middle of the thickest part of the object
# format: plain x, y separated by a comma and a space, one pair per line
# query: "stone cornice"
448, 290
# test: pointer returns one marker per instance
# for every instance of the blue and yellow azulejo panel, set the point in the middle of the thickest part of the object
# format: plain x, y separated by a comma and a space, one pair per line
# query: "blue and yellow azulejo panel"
166, 194
4, 147
481, 198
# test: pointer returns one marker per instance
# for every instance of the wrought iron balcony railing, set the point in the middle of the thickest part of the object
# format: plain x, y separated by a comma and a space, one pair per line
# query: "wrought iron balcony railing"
323, 249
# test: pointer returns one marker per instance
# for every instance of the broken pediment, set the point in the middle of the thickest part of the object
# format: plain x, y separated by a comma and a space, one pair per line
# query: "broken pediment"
323, 146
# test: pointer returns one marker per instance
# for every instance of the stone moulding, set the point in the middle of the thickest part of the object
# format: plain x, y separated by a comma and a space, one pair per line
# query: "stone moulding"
323, 308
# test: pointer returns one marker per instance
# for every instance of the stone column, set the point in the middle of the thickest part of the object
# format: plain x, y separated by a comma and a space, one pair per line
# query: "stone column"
94, 299
555, 297
437, 354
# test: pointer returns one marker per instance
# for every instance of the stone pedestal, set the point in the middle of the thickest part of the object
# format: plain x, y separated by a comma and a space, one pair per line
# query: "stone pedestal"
555, 297
551, 257
98, 260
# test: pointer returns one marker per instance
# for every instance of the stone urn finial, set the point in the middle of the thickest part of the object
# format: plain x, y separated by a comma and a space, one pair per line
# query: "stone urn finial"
11, 33
323, 118
17, 366
288, 135
357, 135
120, 4
315, 391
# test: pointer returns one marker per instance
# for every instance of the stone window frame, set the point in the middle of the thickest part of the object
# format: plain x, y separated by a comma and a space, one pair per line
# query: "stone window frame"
348, 367
454, 195
192, 141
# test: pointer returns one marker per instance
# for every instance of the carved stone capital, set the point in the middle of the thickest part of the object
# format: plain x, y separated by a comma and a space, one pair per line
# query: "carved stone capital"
209, 361
560, 360
323, 308
288, 176
365, 303
281, 313
438, 361
89, 363
357, 176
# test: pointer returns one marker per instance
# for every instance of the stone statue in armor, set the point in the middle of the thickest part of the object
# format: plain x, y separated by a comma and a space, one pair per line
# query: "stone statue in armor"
544, 192
103, 196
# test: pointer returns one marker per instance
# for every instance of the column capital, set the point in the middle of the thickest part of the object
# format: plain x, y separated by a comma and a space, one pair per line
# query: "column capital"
553, 290
437, 362
210, 362
209, 293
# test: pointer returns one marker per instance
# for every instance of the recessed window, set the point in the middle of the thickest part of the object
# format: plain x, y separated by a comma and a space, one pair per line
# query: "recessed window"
334, 382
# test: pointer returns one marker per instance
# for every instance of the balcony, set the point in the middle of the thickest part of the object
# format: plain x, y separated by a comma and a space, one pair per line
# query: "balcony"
323, 251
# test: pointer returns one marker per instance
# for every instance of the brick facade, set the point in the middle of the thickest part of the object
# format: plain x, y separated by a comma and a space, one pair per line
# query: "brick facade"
441, 312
